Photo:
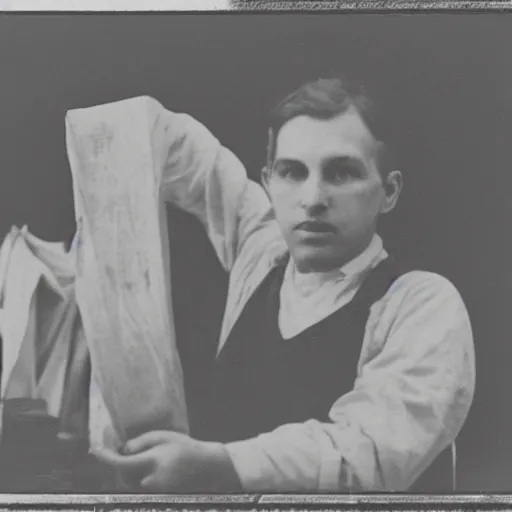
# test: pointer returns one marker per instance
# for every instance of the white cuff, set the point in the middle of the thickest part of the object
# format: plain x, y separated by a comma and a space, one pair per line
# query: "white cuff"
253, 466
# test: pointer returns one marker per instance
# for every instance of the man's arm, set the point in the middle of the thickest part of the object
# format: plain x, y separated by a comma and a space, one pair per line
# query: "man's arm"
205, 179
409, 402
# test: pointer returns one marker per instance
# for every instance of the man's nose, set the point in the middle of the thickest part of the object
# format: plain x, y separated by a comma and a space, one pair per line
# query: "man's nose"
314, 195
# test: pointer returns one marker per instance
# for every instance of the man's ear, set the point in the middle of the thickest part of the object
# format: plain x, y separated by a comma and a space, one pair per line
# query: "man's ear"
265, 179
392, 184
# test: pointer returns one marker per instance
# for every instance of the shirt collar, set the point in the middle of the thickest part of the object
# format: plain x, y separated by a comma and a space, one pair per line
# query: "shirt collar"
365, 260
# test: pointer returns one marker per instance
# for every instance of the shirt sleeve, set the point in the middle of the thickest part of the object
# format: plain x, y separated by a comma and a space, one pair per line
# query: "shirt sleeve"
205, 179
413, 392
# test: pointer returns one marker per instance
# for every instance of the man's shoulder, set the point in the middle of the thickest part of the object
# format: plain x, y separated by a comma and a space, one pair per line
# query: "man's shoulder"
419, 277
423, 286
424, 304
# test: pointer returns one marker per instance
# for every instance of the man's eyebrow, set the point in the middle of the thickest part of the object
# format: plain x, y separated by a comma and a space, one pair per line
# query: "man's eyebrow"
343, 159
287, 161
339, 159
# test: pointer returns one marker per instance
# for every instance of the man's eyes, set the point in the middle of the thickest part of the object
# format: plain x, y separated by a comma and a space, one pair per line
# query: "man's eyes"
333, 172
292, 172
337, 172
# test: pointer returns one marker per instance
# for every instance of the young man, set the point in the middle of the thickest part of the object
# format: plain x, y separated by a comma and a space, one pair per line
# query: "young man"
336, 370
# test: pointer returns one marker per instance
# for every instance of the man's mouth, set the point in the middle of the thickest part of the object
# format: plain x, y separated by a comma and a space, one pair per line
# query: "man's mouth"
313, 226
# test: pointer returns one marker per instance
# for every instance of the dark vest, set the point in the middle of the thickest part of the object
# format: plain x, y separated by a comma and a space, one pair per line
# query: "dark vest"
260, 381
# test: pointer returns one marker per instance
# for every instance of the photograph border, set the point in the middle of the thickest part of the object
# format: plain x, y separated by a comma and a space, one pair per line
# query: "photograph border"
374, 502
474, 501
247, 6
376, 6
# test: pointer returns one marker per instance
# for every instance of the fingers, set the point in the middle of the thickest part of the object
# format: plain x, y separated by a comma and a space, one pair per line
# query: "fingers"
150, 459
131, 463
149, 440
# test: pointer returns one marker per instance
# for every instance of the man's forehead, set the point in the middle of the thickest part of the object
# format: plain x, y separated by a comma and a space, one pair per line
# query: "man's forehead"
303, 137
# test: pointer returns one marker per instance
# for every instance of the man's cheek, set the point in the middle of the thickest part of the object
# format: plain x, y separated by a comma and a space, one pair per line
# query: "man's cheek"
358, 202
283, 207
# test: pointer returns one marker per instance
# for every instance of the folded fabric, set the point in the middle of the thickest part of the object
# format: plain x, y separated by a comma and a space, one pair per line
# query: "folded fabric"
37, 311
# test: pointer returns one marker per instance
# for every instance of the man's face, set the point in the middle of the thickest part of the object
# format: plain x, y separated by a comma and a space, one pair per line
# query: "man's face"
326, 189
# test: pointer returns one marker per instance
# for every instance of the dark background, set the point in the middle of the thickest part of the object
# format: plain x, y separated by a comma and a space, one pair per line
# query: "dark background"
445, 86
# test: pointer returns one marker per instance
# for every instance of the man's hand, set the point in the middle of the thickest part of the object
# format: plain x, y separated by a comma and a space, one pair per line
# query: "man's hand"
164, 461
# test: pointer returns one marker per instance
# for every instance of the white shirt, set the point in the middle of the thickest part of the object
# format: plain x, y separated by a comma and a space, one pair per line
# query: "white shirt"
416, 371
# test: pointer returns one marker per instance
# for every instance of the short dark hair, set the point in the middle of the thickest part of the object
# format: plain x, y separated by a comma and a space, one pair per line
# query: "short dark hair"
324, 99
